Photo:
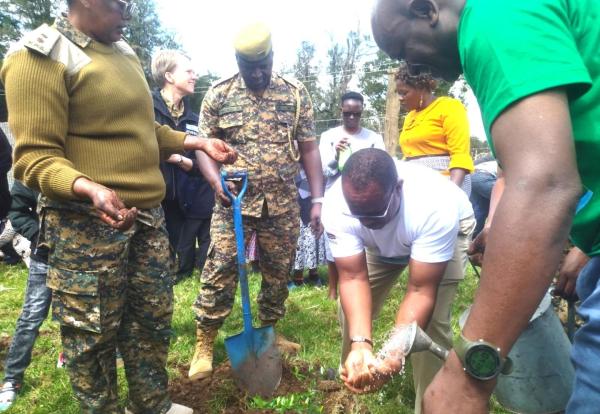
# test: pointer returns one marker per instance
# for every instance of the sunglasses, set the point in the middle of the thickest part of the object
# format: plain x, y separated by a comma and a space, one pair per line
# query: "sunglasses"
374, 216
350, 114
127, 8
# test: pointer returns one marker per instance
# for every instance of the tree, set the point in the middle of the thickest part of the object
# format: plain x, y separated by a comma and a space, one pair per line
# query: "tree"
18, 16
373, 82
341, 67
146, 34
203, 83
308, 73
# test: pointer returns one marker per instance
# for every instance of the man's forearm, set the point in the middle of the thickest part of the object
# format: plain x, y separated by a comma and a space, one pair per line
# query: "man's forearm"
355, 297
416, 306
209, 168
522, 254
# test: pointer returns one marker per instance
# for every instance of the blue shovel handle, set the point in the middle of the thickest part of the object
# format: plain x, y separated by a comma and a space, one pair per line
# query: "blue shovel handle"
238, 226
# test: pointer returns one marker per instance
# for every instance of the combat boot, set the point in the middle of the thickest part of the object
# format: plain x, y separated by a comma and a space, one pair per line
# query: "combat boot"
284, 345
201, 365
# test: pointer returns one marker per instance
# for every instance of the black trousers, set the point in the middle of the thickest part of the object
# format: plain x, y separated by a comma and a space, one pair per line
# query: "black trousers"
193, 231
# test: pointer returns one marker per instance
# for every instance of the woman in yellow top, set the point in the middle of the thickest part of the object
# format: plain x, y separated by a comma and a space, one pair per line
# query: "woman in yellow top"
436, 130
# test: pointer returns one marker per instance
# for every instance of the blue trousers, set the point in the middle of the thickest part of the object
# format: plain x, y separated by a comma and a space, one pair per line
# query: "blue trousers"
585, 354
35, 310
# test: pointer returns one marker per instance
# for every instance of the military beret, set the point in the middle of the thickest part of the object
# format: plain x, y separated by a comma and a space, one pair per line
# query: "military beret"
253, 42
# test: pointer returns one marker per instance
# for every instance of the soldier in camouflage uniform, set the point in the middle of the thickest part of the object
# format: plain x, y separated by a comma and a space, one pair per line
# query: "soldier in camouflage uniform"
83, 119
268, 119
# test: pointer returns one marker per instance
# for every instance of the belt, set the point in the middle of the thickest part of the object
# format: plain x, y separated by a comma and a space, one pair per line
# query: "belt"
416, 157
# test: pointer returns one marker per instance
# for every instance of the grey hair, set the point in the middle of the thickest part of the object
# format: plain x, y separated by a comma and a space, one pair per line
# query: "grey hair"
164, 61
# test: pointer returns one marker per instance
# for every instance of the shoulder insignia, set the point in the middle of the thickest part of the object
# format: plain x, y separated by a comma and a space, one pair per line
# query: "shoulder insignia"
49, 42
42, 40
291, 81
223, 80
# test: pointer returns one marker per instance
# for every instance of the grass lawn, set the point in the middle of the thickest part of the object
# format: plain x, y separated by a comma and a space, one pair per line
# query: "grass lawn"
311, 320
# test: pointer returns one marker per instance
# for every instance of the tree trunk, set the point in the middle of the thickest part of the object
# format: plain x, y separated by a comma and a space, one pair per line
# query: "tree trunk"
392, 113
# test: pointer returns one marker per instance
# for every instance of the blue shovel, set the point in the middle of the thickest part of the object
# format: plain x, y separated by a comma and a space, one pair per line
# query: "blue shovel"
255, 359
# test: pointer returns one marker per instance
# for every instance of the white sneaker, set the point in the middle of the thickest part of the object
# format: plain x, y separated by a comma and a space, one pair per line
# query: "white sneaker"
175, 409
180, 409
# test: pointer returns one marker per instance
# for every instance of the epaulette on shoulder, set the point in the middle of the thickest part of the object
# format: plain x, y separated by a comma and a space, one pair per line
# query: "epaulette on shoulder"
48, 41
41, 40
224, 80
291, 81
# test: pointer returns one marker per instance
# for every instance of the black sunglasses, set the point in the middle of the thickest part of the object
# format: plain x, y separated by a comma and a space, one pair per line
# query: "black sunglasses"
374, 216
127, 8
349, 114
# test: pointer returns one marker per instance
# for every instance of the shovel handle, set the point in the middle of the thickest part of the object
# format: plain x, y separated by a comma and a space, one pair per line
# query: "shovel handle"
236, 201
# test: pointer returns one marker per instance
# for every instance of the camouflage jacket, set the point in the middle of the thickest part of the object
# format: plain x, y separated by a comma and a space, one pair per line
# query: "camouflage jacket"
261, 130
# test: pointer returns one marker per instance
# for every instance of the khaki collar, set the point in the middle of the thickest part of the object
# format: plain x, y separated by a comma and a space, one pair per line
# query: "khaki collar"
63, 25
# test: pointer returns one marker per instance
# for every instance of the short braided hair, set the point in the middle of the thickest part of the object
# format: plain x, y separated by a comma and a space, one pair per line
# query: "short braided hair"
423, 80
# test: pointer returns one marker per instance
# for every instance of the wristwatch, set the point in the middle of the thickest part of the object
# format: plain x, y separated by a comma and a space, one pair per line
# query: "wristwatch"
481, 359
359, 338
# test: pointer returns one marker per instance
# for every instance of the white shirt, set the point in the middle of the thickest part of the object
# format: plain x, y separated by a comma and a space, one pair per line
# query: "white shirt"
329, 139
425, 228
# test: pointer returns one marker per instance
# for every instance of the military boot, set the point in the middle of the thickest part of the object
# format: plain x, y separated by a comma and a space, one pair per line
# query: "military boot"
284, 345
201, 365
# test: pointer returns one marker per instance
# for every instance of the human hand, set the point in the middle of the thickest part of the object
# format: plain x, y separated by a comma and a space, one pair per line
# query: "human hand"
357, 370
175, 159
568, 273
477, 247
340, 146
218, 150
109, 206
452, 381
222, 196
315, 220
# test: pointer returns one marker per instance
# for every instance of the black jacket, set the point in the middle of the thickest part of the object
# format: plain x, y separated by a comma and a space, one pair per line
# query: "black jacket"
24, 219
5, 164
195, 197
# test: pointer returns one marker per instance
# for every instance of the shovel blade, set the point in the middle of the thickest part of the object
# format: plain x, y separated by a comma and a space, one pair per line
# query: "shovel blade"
255, 360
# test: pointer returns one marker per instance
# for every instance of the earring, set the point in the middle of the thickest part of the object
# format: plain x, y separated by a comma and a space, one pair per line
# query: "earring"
421, 103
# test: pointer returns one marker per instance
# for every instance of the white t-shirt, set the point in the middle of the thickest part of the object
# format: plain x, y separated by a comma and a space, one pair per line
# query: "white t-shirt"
329, 139
425, 228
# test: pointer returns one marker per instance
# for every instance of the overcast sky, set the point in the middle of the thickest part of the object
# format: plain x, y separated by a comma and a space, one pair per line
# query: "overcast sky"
206, 28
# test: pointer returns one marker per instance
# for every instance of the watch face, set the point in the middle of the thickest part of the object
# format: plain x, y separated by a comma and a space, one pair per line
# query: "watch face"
482, 361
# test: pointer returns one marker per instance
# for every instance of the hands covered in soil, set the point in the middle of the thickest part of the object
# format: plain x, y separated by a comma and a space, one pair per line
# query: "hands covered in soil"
363, 372
222, 196
109, 206
219, 151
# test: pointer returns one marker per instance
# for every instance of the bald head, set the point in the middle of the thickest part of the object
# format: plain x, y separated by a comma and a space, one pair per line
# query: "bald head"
421, 32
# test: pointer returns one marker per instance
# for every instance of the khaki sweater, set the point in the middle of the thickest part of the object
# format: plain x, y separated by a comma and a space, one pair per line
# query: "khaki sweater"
80, 108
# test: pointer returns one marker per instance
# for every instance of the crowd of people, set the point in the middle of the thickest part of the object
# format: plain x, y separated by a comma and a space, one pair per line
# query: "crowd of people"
118, 193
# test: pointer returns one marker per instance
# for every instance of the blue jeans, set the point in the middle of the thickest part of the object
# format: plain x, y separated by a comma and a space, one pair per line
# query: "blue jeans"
481, 191
586, 345
34, 312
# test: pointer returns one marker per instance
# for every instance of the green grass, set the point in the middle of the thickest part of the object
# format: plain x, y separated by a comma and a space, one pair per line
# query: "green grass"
311, 320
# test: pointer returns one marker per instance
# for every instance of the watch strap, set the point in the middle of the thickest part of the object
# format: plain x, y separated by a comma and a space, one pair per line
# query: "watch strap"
462, 345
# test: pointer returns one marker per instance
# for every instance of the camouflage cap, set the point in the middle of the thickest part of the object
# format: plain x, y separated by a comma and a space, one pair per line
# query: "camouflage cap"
253, 42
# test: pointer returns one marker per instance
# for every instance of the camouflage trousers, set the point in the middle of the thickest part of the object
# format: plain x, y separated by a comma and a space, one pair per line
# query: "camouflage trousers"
112, 289
276, 238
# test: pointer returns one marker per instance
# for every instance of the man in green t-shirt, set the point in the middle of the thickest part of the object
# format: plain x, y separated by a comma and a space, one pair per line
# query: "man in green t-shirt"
535, 70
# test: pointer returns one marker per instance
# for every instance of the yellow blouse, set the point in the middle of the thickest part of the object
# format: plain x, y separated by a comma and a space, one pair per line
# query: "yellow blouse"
441, 128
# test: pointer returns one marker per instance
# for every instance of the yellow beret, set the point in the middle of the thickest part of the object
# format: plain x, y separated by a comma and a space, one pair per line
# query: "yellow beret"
253, 42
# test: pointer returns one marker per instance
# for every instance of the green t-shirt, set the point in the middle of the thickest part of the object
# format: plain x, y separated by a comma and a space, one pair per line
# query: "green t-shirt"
511, 49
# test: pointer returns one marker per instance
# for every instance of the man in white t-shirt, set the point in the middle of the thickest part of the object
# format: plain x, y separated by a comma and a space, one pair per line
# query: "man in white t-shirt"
403, 215
350, 136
